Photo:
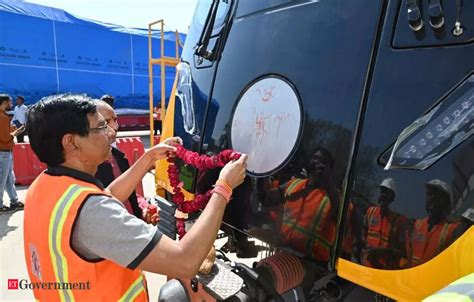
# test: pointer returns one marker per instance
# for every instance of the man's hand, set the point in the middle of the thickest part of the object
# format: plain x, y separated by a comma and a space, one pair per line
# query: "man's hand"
17, 131
166, 147
151, 214
234, 172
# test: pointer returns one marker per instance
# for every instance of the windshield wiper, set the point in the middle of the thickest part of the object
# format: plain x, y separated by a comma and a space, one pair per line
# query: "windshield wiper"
201, 47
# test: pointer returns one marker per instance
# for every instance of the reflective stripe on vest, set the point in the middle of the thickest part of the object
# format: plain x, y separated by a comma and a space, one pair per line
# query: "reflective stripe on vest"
312, 236
52, 206
315, 239
377, 234
56, 224
423, 250
461, 290
294, 186
135, 289
311, 232
442, 237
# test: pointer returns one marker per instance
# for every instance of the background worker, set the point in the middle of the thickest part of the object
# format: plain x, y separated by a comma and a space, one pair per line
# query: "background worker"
77, 230
7, 177
19, 117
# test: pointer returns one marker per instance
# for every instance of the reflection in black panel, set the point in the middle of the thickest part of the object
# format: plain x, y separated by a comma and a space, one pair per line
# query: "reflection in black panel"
330, 83
438, 131
420, 214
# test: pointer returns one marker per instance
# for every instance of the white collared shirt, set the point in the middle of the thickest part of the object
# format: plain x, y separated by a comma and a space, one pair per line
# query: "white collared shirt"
19, 114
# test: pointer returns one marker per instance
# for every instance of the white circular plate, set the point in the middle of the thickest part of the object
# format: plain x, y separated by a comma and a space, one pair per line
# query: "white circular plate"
266, 124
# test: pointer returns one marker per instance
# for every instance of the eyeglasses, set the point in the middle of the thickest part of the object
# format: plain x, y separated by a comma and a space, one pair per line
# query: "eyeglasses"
103, 127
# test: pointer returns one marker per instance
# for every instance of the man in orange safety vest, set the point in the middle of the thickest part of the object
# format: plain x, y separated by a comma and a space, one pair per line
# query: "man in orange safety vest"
80, 242
384, 231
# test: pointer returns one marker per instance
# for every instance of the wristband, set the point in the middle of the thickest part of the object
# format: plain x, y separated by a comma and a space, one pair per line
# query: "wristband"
225, 184
223, 192
223, 189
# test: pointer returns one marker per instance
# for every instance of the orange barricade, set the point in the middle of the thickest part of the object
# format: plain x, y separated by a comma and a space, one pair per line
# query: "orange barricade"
26, 164
133, 149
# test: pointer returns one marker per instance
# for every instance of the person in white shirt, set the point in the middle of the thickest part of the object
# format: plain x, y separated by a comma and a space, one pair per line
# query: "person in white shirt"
19, 116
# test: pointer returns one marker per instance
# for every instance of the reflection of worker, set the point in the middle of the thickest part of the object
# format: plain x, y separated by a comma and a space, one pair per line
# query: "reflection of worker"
77, 232
384, 231
311, 206
431, 235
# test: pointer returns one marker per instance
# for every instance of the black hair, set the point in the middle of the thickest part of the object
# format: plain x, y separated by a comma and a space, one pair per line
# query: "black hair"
51, 118
108, 99
325, 153
21, 98
4, 98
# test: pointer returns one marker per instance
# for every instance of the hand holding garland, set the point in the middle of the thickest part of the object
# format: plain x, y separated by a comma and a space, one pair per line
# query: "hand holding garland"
168, 147
230, 177
183, 258
151, 214
123, 186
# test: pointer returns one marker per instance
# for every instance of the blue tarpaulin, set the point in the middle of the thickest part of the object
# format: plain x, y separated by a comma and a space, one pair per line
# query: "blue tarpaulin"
46, 51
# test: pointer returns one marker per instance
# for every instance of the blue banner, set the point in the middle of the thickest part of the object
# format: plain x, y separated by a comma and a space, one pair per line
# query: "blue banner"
46, 51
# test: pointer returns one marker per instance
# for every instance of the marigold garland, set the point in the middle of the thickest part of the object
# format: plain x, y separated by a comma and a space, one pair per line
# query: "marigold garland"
201, 162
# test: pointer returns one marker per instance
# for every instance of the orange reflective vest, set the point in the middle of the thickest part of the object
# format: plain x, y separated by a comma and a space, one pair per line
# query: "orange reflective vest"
56, 271
427, 244
308, 225
380, 230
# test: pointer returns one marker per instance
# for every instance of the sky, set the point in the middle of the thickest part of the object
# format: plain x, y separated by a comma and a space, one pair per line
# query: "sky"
131, 13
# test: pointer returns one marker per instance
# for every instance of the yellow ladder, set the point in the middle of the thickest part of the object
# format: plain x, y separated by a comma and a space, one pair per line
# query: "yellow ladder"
163, 61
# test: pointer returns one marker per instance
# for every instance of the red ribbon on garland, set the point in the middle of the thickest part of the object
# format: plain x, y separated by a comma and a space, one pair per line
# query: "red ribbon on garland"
201, 162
